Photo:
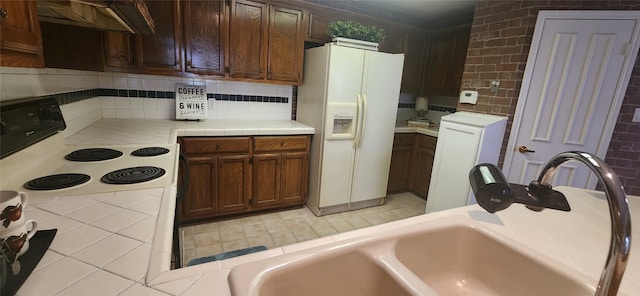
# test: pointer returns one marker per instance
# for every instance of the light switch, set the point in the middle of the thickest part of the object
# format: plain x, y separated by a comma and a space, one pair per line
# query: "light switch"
636, 115
494, 85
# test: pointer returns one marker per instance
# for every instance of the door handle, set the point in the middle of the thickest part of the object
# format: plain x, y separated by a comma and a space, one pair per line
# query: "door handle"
524, 149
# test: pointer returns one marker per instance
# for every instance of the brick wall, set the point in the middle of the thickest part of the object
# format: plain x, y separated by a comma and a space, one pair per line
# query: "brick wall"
499, 44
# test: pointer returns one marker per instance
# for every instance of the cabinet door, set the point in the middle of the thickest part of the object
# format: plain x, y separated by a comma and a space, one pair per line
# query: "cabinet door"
248, 39
459, 59
317, 28
266, 180
394, 40
295, 170
20, 41
414, 57
234, 183
206, 33
446, 55
160, 53
286, 45
458, 146
400, 167
200, 199
117, 51
441, 46
423, 155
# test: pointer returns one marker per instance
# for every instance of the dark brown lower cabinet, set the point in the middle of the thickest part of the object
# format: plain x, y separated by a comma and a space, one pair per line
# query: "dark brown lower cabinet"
411, 163
423, 154
231, 176
401, 156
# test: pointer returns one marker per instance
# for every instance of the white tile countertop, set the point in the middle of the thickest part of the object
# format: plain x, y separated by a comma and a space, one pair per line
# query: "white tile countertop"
118, 243
148, 131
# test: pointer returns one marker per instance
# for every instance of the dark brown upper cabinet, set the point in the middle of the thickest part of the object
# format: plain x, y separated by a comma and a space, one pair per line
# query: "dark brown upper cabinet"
446, 55
205, 36
266, 41
161, 53
248, 39
117, 51
414, 62
20, 40
286, 44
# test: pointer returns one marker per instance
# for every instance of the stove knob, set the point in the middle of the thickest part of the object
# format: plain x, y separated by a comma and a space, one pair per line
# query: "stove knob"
45, 114
57, 115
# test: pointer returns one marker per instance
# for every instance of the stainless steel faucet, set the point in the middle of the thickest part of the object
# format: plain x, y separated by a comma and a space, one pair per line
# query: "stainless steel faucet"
620, 243
493, 193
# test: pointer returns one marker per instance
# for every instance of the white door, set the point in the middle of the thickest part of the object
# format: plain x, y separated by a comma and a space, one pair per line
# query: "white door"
576, 75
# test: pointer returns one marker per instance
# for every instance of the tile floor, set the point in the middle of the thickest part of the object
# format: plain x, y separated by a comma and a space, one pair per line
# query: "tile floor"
287, 227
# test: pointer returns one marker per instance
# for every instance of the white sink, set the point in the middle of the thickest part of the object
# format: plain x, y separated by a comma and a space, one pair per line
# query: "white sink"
443, 258
464, 260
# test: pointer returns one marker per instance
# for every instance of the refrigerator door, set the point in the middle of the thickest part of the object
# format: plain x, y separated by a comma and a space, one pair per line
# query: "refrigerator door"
380, 93
344, 83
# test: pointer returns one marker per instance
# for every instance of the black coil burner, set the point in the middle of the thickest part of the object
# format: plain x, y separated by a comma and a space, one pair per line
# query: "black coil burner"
150, 151
58, 181
93, 154
133, 175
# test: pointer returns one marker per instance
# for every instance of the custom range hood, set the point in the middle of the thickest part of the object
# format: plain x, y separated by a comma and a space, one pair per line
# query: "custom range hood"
112, 15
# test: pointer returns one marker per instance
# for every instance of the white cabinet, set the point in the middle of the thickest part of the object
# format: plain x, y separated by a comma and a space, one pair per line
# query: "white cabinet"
465, 139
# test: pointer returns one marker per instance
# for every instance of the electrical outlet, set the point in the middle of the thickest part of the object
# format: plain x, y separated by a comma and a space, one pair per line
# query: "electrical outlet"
636, 115
494, 85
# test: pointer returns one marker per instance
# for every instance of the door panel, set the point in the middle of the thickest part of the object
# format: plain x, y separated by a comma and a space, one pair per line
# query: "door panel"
286, 44
248, 39
571, 96
234, 183
200, 198
206, 33
266, 180
162, 51
293, 186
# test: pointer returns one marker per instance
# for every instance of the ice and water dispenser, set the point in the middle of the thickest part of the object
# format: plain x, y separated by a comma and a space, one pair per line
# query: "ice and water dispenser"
341, 122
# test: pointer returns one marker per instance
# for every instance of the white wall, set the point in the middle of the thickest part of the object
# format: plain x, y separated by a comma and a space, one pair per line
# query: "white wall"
17, 83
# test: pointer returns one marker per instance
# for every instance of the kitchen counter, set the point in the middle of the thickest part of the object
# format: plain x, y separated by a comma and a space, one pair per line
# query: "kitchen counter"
146, 131
119, 243
404, 128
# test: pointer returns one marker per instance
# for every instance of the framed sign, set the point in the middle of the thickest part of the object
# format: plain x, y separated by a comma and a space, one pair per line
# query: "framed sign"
191, 102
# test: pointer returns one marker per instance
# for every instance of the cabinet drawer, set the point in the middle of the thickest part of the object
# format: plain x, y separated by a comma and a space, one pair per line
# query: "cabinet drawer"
198, 145
280, 143
403, 139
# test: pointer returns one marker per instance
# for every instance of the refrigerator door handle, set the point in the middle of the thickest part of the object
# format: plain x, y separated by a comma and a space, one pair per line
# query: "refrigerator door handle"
363, 121
359, 115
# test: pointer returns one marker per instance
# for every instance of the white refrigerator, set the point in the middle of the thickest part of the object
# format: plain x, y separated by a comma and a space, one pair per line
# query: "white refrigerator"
350, 96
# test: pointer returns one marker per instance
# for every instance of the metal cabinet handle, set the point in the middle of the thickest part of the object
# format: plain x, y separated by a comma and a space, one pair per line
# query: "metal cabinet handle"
524, 149
3, 13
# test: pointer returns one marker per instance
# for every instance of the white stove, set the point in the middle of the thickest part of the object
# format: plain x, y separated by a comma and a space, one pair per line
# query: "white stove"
31, 147
95, 170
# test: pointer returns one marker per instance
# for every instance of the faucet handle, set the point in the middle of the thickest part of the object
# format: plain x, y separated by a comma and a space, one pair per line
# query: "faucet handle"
538, 196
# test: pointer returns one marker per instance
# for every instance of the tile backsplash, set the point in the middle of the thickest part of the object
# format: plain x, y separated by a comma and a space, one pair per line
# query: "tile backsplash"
122, 95
438, 107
